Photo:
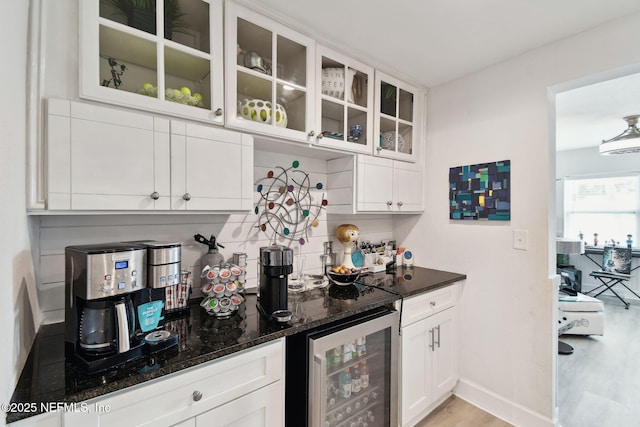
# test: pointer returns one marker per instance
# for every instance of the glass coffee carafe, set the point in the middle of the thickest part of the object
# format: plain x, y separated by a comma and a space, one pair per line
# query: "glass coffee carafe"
100, 324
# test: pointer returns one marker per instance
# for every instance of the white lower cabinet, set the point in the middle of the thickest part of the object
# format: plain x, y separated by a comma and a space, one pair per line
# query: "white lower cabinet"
107, 159
48, 419
262, 408
244, 389
429, 362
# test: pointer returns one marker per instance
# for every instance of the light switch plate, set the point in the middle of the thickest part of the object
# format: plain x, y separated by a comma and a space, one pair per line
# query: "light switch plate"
521, 239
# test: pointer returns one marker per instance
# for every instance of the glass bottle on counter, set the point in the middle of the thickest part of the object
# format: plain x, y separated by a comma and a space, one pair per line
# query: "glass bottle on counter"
345, 384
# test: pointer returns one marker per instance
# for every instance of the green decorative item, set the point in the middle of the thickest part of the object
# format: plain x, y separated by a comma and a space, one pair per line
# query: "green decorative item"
287, 209
261, 111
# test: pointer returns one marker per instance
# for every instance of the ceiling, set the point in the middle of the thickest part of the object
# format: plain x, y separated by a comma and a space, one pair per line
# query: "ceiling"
588, 115
431, 42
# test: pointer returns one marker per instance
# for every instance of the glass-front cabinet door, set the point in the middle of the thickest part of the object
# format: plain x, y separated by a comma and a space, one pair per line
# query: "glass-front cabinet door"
344, 100
397, 124
269, 75
157, 55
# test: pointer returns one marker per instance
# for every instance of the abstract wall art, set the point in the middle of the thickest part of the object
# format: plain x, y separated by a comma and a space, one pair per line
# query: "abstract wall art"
480, 192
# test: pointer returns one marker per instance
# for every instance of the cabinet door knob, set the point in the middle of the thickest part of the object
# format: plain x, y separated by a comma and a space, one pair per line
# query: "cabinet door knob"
187, 196
389, 203
433, 303
155, 195
197, 395
379, 149
218, 112
311, 134
399, 203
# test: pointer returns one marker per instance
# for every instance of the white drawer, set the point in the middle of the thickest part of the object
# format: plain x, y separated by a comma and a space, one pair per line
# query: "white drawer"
424, 305
170, 400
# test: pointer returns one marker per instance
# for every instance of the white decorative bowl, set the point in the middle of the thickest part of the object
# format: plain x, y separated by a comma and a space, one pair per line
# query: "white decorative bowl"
259, 110
388, 140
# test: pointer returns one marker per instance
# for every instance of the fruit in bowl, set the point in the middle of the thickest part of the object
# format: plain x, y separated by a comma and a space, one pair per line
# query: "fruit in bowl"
342, 275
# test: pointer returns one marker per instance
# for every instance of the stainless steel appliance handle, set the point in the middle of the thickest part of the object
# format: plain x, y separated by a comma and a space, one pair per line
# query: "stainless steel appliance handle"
438, 342
319, 406
71, 280
432, 345
123, 327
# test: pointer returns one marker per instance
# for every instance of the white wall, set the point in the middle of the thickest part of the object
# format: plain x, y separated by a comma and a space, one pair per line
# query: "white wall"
18, 328
507, 342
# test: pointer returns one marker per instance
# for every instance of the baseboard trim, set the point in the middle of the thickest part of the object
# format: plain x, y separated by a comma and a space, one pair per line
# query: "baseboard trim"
500, 407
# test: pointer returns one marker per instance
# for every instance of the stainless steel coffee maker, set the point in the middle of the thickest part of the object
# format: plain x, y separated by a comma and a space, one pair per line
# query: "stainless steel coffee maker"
274, 266
101, 282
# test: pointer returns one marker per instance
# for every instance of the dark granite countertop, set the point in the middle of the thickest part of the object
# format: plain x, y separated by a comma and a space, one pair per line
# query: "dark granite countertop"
47, 377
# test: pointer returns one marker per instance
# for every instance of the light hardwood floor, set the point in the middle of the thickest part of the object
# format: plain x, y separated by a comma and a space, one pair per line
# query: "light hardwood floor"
455, 412
599, 384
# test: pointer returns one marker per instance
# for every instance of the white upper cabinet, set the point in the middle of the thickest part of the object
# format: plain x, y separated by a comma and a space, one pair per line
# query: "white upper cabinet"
212, 168
398, 121
269, 76
165, 57
344, 102
102, 158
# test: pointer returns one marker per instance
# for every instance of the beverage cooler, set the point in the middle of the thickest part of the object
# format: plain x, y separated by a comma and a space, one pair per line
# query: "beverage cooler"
345, 374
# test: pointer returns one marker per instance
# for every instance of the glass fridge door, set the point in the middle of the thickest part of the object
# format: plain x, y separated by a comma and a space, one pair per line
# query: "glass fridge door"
353, 381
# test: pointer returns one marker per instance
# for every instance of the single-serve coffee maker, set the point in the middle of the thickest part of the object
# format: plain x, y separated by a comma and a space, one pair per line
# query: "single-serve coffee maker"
101, 282
274, 266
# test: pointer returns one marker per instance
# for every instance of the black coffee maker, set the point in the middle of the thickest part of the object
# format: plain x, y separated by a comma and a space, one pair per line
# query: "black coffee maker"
274, 266
101, 282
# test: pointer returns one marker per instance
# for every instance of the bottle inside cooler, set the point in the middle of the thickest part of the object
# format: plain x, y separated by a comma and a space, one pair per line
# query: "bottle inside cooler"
357, 378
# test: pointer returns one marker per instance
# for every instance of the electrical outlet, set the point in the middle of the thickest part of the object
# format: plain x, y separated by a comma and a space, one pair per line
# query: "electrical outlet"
521, 239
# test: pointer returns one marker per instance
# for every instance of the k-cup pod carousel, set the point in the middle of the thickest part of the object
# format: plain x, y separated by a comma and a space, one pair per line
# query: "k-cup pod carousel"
223, 289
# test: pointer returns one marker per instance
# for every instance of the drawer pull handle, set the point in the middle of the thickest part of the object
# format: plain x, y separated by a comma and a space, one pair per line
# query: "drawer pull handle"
438, 342
197, 395
433, 303
432, 346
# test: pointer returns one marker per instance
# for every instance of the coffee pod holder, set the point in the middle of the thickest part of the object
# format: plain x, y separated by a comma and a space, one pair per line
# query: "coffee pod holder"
223, 289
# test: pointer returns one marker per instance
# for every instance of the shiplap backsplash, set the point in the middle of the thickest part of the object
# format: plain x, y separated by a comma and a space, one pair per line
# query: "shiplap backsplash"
237, 232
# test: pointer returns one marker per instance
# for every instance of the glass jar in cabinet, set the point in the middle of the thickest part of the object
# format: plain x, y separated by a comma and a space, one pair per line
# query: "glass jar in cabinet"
344, 102
156, 55
269, 75
398, 121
